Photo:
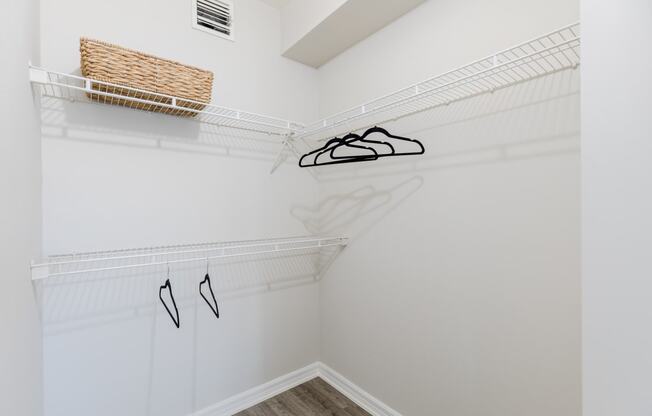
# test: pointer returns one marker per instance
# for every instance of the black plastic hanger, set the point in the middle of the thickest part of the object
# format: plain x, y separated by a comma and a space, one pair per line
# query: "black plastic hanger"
352, 138
330, 146
213, 306
376, 129
168, 286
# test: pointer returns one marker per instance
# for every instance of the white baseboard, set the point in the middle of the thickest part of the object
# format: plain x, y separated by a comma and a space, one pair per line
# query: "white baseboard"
354, 392
252, 397
263, 392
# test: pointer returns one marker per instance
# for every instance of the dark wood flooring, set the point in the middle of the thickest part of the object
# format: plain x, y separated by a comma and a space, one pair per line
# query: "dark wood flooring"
313, 398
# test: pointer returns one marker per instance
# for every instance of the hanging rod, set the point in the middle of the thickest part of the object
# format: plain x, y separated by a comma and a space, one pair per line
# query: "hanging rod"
51, 268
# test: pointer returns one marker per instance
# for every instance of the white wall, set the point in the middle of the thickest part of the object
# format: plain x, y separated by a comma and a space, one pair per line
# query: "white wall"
20, 182
442, 35
459, 293
117, 178
616, 226
455, 286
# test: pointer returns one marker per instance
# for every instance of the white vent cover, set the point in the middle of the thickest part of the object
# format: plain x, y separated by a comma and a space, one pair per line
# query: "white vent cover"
213, 16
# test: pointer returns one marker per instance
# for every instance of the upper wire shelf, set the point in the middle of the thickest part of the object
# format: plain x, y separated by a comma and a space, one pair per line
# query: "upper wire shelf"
77, 88
103, 261
552, 52
546, 54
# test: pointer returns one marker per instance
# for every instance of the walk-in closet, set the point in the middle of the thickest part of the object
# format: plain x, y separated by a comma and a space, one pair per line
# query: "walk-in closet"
325, 208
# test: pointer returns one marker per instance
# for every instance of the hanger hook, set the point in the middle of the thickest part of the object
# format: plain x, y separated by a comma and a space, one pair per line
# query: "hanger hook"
207, 264
168, 264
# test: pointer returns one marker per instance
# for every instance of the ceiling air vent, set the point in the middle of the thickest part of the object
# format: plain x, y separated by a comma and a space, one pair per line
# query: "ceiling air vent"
213, 16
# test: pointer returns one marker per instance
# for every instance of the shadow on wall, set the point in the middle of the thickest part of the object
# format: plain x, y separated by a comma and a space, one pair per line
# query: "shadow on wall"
112, 125
361, 208
111, 348
476, 278
528, 120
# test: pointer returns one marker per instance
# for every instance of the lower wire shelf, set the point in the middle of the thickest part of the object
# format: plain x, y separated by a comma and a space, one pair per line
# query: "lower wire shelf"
105, 261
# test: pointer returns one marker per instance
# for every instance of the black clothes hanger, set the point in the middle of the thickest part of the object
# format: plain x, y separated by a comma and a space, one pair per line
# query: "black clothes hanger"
376, 129
213, 305
352, 137
353, 141
331, 141
168, 286
330, 146
342, 143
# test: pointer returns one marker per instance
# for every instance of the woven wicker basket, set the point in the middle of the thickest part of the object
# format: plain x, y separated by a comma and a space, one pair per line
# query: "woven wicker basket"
103, 61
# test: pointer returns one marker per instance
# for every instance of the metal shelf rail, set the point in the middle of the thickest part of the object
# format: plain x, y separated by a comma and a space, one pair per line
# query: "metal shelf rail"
543, 55
103, 261
546, 54
76, 88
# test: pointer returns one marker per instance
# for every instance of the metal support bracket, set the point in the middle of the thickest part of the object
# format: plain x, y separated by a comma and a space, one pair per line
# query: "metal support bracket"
287, 144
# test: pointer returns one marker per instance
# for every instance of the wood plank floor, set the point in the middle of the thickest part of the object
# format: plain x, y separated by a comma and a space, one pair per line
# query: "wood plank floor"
313, 398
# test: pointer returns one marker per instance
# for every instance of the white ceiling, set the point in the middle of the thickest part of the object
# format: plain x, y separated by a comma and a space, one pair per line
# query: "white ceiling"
352, 22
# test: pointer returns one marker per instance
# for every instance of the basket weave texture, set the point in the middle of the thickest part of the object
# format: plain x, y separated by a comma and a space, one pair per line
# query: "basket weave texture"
114, 64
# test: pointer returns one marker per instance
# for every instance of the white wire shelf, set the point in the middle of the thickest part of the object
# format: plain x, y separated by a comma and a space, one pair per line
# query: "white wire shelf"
546, 54
552, 52
77, 88
106, 261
